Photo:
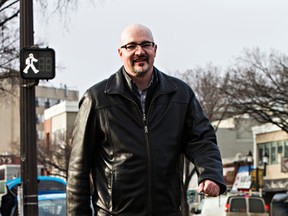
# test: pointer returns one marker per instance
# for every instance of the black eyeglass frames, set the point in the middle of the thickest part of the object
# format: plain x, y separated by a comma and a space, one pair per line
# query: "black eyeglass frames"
147, 45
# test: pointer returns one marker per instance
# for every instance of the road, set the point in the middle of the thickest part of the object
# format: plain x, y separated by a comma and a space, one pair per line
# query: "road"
213, 206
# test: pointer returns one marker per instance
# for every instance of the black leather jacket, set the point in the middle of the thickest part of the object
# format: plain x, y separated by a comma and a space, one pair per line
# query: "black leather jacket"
133, 157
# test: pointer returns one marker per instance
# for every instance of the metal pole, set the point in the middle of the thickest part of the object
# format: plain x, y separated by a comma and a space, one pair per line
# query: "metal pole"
257, 179
28, 147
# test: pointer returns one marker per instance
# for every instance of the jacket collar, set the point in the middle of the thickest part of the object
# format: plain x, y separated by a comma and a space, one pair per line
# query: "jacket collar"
116, 84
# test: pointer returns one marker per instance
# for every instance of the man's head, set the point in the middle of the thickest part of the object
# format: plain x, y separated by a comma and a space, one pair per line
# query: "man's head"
137, 50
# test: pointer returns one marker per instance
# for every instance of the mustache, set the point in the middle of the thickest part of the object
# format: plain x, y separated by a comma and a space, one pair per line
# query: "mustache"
140, 58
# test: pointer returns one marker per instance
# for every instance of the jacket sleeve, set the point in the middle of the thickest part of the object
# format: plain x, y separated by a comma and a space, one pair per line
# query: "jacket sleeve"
78, 184
201, 145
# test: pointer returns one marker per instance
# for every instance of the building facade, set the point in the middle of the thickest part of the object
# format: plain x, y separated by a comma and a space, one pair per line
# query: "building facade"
271, 141
47, 97
9, 117
234, 135
235, 140
59, 119
58, 127
10, 114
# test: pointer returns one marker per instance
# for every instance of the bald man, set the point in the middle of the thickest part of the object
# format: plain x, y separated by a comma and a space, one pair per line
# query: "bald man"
129, 135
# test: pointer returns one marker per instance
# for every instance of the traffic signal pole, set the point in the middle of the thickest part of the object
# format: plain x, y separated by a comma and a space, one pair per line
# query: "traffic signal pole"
28, 147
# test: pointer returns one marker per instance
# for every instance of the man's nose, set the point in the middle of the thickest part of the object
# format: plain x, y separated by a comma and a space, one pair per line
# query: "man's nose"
139, 50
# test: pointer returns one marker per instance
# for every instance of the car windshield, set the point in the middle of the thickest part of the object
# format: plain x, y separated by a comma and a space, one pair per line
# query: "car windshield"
256, 205
52, 207
238, 205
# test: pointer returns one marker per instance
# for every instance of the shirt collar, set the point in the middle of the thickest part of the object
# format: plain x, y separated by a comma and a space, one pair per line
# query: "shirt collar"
131, 83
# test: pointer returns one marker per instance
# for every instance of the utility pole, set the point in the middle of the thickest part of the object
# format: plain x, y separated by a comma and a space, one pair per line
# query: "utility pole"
28, 146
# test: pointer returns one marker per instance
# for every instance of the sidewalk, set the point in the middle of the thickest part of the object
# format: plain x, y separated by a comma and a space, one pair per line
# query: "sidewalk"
213, 206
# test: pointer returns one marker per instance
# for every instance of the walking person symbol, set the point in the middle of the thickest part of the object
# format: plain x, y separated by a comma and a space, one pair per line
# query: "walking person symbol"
30, 64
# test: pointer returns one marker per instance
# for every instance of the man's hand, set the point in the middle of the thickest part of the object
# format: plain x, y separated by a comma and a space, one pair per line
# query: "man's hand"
209, 188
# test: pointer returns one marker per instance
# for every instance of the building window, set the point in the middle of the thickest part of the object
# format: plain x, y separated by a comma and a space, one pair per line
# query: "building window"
48, 141
266, 149
39, 118
41, 101
274, 153
36, 102
40, 135
260, 154
280, 148
273, 149
47, 103
285, 148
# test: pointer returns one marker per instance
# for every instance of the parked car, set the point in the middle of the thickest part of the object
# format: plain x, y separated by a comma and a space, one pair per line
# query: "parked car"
46, 185
245, 205
52, 204
279, 204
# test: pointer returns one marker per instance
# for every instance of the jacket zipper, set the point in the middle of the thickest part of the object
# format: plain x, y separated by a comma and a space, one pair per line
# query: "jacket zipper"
149, 166
146, 131
144, 120
149, 157
145, 124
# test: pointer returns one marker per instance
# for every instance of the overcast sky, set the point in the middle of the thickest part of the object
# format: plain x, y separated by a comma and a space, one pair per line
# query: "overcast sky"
188, 33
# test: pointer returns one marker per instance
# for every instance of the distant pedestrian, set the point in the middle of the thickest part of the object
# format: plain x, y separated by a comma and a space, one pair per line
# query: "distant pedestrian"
9, 203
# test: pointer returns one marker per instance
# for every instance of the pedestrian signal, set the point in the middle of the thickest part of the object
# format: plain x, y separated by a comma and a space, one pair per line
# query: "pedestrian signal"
37, 63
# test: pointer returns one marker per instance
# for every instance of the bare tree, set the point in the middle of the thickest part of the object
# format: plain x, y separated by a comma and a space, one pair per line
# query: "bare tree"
54, 156
9, 49
9, 34
8, 85
207, 83
257, 85
188, 171
9, 11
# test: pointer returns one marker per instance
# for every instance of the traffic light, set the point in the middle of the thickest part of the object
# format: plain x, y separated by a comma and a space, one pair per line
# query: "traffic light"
37, 63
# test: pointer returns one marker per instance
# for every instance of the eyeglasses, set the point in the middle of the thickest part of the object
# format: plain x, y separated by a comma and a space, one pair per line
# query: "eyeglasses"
147, 45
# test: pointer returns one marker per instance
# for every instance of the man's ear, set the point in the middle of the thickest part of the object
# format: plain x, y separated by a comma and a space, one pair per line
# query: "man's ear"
120, 53
155, 49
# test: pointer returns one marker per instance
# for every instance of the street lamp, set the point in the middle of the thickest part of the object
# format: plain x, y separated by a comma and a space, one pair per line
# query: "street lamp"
249, 160
265, 162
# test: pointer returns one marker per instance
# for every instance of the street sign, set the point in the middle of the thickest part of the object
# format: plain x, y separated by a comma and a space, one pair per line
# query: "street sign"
242, 179
37, 63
